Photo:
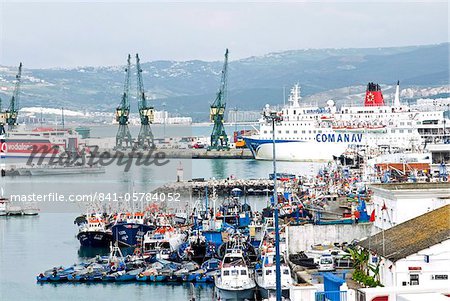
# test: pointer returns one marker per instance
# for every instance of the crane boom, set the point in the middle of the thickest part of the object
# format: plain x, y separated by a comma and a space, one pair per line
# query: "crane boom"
219, 139
123, 111
146, 112
13, 110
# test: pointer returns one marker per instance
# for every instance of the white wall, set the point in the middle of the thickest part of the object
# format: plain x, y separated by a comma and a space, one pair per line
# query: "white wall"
439, 264
302, 293
403, 205
302, 237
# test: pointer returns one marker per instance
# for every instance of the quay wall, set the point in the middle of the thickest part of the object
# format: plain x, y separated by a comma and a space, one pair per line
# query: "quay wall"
301, 238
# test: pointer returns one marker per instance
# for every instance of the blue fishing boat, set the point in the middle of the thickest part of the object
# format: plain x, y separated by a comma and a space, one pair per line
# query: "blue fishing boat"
129, 275
129, 229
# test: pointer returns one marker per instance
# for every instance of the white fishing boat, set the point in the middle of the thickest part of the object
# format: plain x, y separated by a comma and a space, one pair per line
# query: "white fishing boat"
235, 281
266, 274
162, 242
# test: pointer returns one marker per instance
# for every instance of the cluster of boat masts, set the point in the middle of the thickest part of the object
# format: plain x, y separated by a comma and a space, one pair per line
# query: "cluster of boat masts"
228, 245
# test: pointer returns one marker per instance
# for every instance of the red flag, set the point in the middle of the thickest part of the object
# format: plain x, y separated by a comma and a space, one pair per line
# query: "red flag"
372, 216
384, 206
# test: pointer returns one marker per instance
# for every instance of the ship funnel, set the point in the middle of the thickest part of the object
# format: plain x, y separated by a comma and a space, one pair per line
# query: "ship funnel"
374, 96
397, 95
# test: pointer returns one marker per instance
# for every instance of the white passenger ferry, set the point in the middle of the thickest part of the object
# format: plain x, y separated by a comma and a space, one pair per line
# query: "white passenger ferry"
313, 133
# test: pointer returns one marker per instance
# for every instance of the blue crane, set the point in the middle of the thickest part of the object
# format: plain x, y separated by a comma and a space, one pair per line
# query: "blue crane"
123, 112
146, 112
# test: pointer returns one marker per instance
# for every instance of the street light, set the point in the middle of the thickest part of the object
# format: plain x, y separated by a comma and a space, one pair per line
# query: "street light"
164, 120
273, 117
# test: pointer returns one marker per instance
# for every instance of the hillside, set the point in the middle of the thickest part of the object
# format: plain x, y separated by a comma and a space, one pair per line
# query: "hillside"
188, 87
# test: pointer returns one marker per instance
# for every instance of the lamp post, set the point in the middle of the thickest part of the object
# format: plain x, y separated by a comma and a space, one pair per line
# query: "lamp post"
273, 117
164, 120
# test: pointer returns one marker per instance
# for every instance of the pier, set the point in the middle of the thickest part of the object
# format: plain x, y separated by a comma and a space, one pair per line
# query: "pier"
178, 153
222, 187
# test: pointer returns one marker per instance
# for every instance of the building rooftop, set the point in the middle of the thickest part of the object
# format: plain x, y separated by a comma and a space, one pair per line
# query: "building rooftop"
412, 236
413, 186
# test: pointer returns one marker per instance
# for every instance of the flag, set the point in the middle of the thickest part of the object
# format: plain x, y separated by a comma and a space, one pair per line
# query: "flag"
372, 216
384, 206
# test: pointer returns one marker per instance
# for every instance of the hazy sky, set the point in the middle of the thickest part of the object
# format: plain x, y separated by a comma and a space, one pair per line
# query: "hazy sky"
50, 34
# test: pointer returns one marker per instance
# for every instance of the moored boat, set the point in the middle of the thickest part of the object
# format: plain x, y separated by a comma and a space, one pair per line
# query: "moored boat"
235, 281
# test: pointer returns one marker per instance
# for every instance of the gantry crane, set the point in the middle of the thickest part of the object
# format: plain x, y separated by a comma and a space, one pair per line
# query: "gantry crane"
123, 112
219, 139
13, 110
146, 112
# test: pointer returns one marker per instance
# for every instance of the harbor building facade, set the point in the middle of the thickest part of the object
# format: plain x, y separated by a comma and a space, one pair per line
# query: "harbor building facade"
400, 202
415, 252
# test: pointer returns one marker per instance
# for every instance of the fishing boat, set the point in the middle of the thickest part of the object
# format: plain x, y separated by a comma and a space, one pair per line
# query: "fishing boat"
235, 281
163, 242
130, 228
93, 232
266, 274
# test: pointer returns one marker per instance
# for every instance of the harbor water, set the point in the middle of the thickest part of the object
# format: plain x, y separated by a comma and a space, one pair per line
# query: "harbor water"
29, 245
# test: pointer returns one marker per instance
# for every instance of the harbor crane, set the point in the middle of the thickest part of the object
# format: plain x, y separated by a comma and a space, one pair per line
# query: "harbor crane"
146, 112
2, 119
13, 110
219, 139
123, 112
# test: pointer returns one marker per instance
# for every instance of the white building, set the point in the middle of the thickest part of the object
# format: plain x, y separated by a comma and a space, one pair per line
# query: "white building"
414, 253
405, 201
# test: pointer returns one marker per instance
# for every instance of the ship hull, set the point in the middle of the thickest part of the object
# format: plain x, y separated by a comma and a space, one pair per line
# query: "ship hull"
94, 238
266, 292
229, 294
287, 150
130, 234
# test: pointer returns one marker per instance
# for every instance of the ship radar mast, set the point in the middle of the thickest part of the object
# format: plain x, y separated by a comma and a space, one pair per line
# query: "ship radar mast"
294, 98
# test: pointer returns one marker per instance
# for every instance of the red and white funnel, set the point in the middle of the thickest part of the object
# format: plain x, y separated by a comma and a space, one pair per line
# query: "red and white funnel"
374, 97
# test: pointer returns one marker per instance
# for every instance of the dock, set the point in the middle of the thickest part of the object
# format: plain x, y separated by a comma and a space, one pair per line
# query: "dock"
222, 187
178, 153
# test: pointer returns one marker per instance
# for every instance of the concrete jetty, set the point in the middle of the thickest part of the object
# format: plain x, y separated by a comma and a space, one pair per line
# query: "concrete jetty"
222, 187
178, 153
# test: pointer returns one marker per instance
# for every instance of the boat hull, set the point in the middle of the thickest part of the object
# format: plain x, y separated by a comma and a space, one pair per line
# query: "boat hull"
228, 294
287, 150
265, 293
130, 234
94, 238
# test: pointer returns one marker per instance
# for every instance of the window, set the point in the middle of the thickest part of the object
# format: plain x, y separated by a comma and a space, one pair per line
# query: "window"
287, 132
243, 272
268, 272
295, 132
286, 272
226, 273
265, 132
414, 279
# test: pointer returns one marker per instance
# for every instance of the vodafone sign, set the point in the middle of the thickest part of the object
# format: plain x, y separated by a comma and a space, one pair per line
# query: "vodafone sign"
3, 147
